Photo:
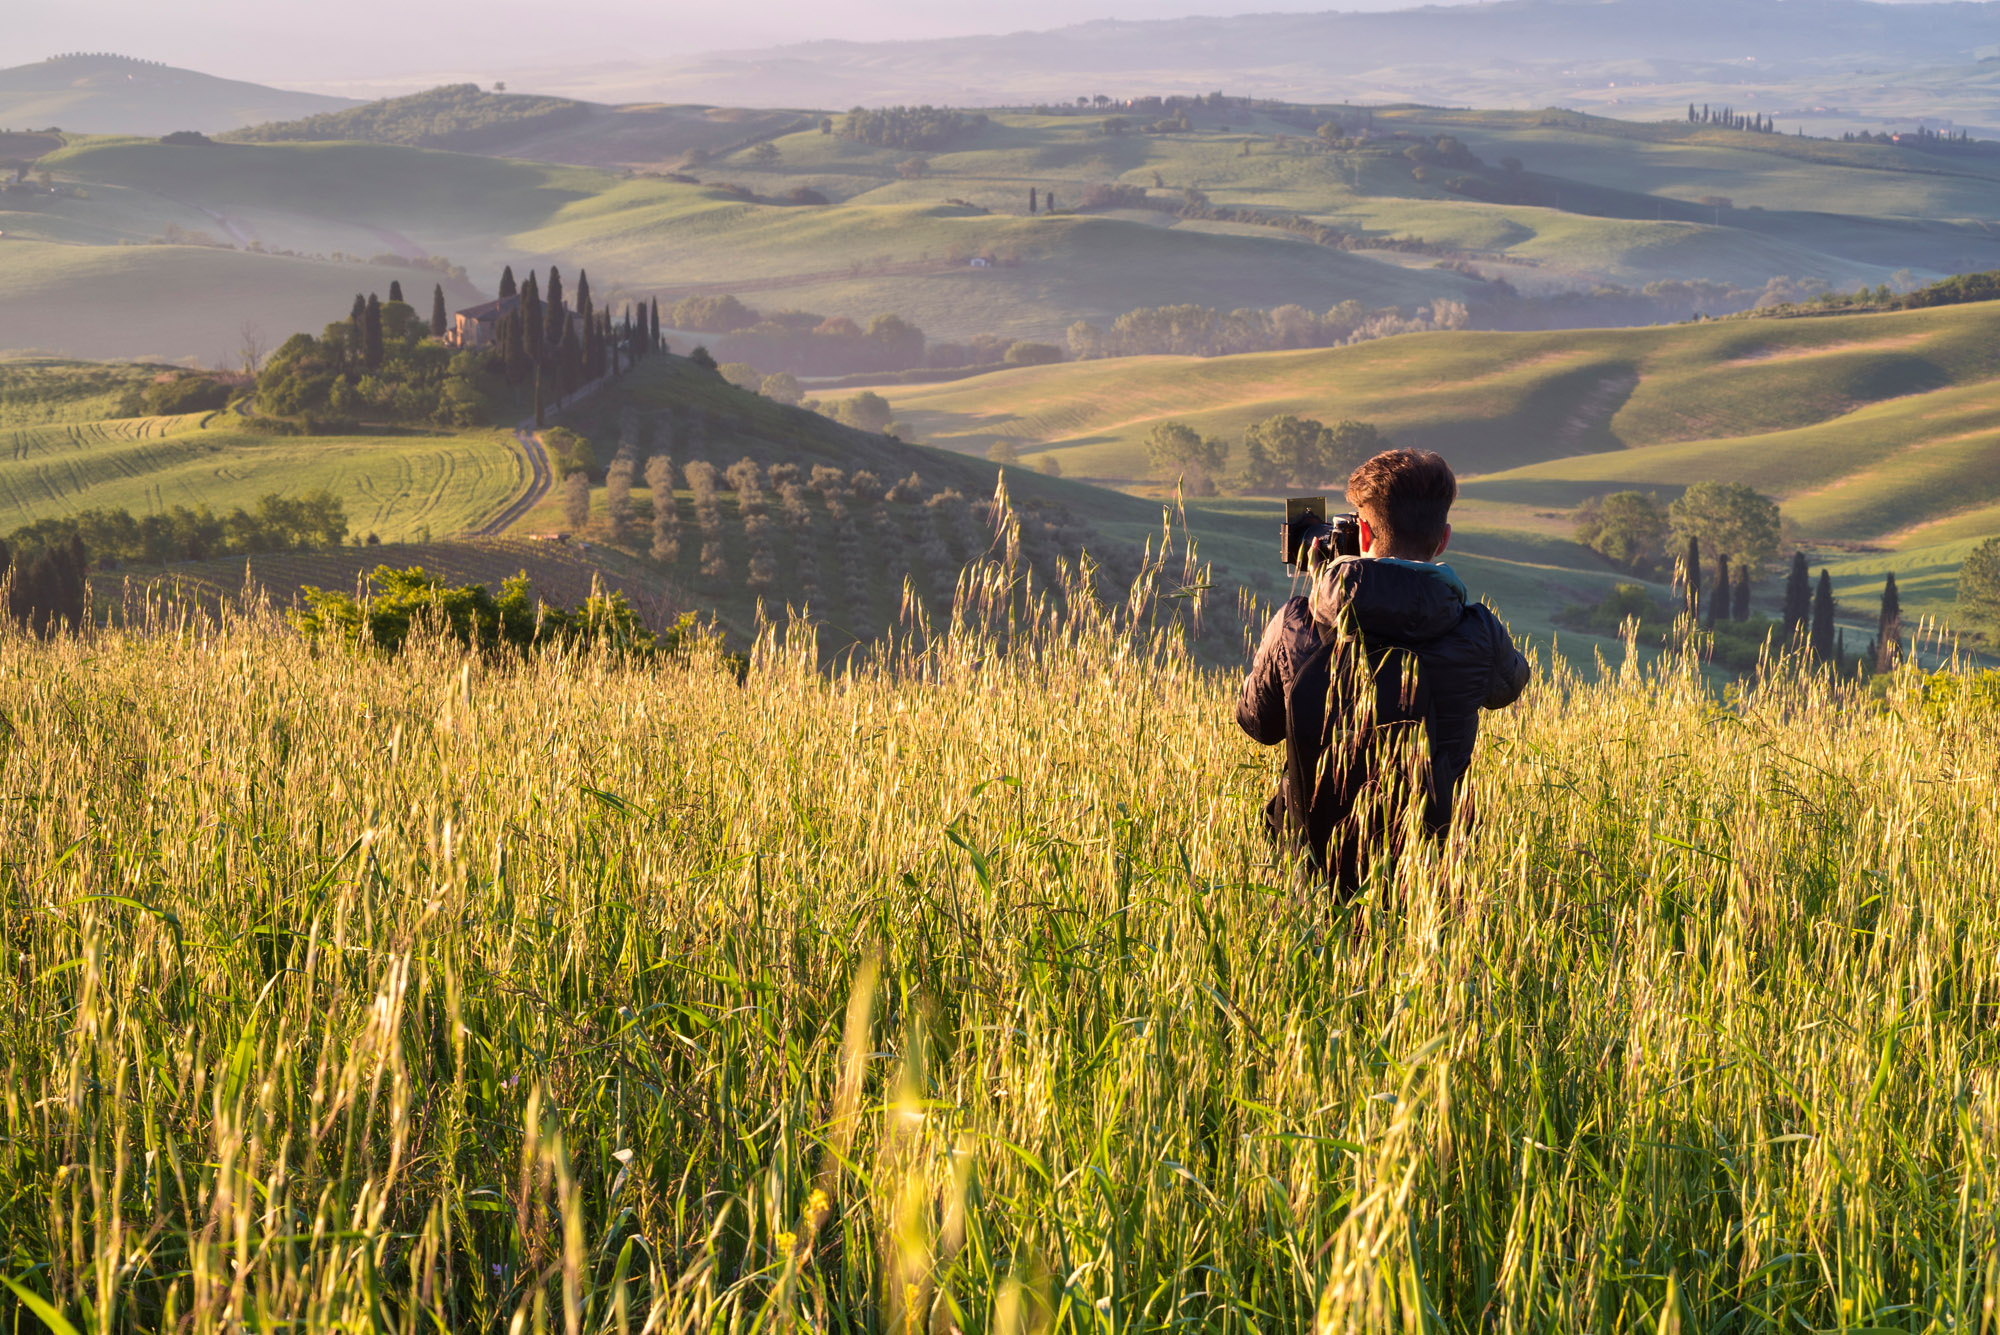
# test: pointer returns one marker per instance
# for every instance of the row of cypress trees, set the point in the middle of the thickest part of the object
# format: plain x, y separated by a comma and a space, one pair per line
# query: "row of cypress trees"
1809, 609
563, 347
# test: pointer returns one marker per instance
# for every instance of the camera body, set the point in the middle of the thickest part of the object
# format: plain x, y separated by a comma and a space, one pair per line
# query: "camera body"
1306, 525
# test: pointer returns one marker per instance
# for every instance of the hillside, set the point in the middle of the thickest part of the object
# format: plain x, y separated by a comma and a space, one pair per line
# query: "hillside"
1282, 218
109, 94
459, 116
1879, 434
396, 485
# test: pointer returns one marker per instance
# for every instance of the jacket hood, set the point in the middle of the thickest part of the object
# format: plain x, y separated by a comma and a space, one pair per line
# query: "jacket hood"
1409, 602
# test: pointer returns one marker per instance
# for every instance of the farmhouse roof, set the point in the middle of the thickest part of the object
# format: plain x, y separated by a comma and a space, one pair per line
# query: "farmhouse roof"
490, 310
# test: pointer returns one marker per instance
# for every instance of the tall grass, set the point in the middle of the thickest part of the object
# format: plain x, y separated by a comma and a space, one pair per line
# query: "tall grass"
956, 990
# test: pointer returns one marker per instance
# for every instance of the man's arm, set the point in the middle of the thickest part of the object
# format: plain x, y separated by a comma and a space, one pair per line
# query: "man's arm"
1509, 676
1261, 709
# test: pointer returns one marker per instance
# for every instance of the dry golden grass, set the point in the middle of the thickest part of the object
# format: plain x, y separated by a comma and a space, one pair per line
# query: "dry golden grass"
958, 991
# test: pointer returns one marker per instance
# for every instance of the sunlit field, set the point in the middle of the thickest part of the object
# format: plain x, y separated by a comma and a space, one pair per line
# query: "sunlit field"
956, 990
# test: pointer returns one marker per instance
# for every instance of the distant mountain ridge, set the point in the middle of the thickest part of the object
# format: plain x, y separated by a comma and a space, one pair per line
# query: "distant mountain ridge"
1532, 45
112, 94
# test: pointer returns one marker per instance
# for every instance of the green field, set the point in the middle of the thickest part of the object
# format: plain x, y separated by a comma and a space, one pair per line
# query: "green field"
1612, 203
395, 485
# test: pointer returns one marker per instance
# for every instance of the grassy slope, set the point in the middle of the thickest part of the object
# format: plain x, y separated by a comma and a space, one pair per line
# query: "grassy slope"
393, 485
100, 94
1529, 576
36, 391
1883, 429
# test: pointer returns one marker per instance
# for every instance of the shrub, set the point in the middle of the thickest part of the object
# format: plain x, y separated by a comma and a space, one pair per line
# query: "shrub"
401, 602
185, 394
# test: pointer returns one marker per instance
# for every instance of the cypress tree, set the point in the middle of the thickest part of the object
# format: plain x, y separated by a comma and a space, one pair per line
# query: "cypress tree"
395, 289
1740, 611
654, 344
371, 334
557, 316
514, 347
1798, 597
1031, 199
1889, 631
438, 323
507, 288
539, 421
583, 306
1718, 601
571, 361
531, 319
1822, 619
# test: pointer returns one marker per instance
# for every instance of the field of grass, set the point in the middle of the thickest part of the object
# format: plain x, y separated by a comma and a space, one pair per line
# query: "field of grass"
36, 391
960, 991
395, 485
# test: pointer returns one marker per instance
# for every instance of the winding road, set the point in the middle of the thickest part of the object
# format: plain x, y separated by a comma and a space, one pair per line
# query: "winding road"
540, 476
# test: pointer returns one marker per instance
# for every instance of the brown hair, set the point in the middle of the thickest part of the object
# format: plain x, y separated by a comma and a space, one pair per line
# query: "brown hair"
1407, 494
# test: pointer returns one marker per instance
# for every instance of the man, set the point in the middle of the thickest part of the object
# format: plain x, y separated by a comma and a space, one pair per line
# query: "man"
1375, 681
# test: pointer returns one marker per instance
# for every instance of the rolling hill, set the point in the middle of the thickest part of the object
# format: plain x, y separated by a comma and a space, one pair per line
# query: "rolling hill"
1879, 434
109, 94
1604, 203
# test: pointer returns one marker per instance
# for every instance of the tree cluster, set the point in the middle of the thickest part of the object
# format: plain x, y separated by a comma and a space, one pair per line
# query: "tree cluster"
1728, 119
401, 602
381, 361
1729, 521
802, 342
908, 127
1291, 451
1201, 331
459, 116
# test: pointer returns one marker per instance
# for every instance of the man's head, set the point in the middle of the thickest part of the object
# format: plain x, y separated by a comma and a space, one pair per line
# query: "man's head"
1404, 499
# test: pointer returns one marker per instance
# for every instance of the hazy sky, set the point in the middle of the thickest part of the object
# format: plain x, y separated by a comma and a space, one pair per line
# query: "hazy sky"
362, 40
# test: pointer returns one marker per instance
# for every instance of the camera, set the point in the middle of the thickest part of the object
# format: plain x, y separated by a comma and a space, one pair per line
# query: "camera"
1306, 524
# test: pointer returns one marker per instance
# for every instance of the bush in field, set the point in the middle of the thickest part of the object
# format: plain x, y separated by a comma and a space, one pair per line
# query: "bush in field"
402, 601
185, 394
576, 501
568, 452
708, 517
618, 500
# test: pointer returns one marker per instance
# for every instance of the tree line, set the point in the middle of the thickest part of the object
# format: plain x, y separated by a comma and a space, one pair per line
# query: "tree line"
905, 127
1190, 330
1729, 119
50, 560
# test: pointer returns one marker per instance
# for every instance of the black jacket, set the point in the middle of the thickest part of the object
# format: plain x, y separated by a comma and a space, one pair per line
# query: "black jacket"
1347, 679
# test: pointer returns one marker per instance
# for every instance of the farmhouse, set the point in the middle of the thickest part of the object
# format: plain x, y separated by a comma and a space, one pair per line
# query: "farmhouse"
477, 326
